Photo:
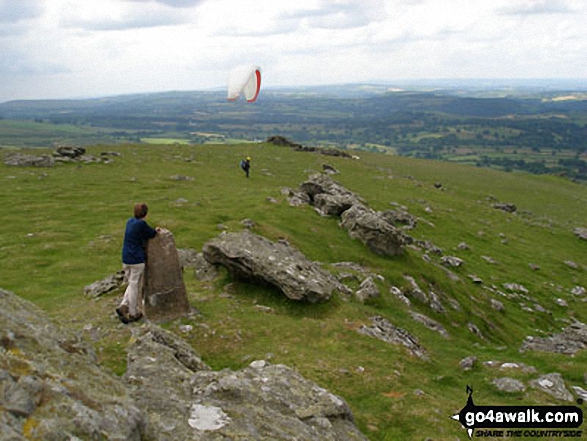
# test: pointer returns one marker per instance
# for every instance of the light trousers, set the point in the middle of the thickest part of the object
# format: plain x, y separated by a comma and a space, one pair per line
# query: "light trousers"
132, 295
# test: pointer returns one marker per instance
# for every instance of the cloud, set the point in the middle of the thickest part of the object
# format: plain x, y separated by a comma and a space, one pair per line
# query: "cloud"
16, 11
538, 7
173, 3
117, 16
346, 14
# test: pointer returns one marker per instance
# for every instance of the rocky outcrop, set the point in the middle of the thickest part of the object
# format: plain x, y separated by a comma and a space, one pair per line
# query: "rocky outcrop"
382, 329
106, 285
381, 232
570, 341
164, 292
52, 389
261, 402
281, 141
581, 233
366, 225
510, 385
253, 257
507, 207
24, 160
328, 197
554, 385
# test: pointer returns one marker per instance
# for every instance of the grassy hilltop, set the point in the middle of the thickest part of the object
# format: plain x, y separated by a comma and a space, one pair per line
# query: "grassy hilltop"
62, 229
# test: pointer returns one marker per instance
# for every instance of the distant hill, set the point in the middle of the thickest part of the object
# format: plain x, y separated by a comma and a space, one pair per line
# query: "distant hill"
532, 129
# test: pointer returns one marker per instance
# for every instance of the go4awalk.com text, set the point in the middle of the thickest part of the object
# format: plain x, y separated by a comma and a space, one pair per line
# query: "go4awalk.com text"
520, 421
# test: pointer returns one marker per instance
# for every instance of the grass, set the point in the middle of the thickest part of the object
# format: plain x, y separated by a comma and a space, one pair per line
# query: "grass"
62, 229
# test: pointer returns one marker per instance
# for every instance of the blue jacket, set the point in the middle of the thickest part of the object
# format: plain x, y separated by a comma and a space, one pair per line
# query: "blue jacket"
136, 234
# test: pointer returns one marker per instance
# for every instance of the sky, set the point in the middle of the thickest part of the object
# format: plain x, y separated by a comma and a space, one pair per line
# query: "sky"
91, 48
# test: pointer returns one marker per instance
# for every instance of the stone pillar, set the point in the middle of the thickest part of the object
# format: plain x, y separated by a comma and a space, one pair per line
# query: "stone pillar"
164, 292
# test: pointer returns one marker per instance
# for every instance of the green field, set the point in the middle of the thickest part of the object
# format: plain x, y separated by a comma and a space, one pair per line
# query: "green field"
62, 229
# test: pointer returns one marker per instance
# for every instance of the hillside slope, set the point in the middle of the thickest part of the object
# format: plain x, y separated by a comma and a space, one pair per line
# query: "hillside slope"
62, 229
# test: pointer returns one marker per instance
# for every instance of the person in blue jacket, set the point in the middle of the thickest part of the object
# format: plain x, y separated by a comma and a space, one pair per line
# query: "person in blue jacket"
133, 260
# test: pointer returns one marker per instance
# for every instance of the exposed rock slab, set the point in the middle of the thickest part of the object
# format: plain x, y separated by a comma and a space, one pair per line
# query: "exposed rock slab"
24, 160
256, 258
261, 402
374, 231
581, 233
164, 292
382, 329
328, 197
51, 387
106, 285
507, 384
554, 385
570, 341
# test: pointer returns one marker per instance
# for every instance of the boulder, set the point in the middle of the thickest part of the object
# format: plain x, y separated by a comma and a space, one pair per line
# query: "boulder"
367, 290
430, 323
51, 386
374, 231
110, 283
508, 207
23, 160
281, 141
253, 257
70, 152
383, 330
327, 196
164, 291
204, 270
260, 402
468, 363
507, 384
570, 341
581, 233
554, 385
400, 218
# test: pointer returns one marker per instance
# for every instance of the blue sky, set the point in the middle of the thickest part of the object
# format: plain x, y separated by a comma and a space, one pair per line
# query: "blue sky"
89, 48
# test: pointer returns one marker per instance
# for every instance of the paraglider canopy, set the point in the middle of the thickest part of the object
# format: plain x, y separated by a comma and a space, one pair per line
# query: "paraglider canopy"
245, 81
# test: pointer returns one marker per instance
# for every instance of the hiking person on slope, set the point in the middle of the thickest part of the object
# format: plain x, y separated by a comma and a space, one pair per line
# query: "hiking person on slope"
133, 261
246, 165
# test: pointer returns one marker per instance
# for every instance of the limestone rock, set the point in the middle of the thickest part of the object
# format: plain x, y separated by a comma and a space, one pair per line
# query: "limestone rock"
367, 290
452, 261
553, 385
49, 378
382, 329
187, 257
23, 160
400, 218
581, 233
110, 283
70, 151
570, 341
164, 292
261, 402
253, 257
327, 196
430, 323
204, 270
468, 363
508, 207
380, 236
507, 384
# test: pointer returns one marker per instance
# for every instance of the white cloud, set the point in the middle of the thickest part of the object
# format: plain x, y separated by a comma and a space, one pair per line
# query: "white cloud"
53, 48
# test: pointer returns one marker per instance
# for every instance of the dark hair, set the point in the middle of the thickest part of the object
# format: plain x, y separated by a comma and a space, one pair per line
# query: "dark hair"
141, 210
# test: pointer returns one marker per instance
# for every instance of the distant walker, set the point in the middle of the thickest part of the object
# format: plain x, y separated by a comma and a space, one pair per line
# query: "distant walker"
246, 165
